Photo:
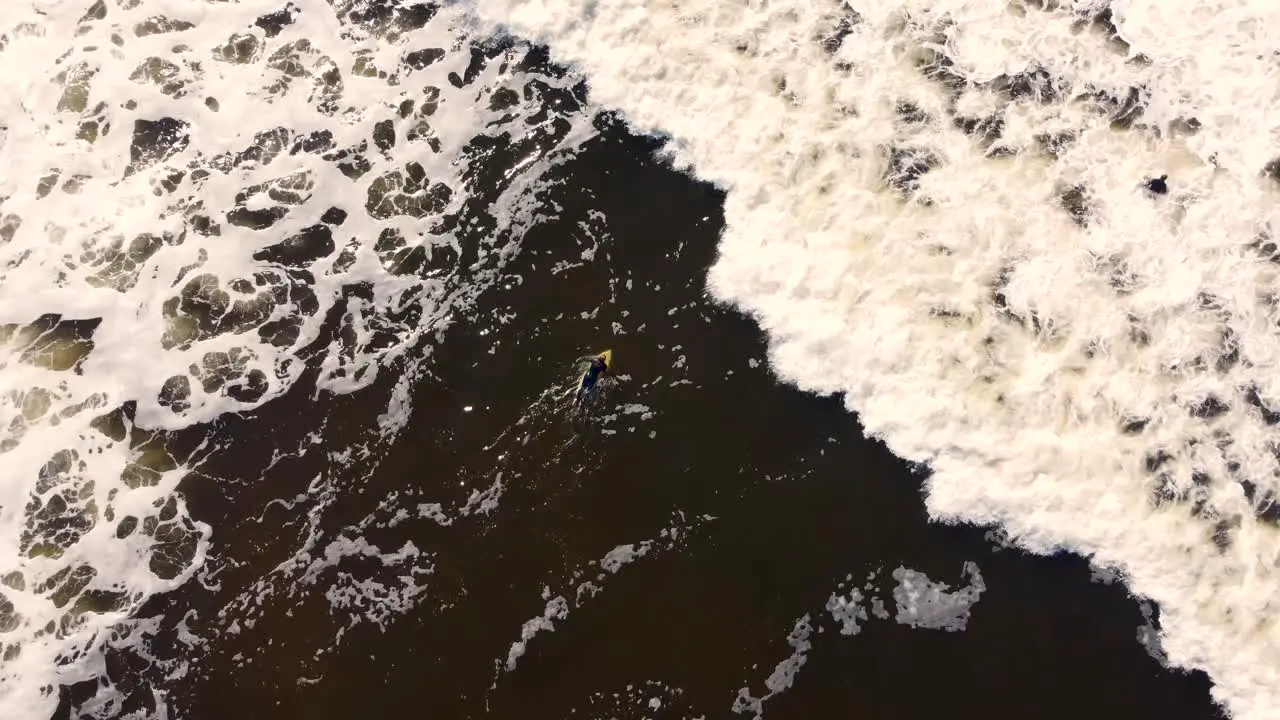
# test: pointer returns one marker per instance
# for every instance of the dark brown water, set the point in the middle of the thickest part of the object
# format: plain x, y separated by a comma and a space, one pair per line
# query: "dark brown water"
774, 496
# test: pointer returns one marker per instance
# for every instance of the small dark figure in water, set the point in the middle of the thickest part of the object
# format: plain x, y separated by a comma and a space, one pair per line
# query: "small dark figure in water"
1158, 186
598, 368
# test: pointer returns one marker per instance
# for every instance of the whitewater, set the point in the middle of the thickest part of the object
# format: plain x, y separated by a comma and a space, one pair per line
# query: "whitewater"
937, 210
188, 192
934, 209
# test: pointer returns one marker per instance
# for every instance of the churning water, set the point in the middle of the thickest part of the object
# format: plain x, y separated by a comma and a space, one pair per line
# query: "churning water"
934, 209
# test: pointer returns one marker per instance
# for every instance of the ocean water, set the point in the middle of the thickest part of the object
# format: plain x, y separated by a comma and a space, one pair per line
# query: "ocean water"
1088, 366
291, 295
189, 190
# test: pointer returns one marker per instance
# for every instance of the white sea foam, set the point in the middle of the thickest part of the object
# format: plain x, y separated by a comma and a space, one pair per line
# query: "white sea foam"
186, 190
611, 563
783, 675
650, 700
935, 208
923, 603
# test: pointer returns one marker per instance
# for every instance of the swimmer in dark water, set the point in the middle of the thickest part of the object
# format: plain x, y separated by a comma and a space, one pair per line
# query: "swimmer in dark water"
1158, 186
598, 367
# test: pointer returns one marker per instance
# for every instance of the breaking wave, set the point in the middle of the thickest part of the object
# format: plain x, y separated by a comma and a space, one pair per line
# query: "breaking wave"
938, 210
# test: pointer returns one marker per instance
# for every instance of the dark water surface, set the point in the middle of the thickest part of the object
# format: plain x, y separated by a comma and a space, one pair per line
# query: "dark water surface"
776, 494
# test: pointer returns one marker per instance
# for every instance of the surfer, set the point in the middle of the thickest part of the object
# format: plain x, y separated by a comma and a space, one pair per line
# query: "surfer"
1158, 186
599, 366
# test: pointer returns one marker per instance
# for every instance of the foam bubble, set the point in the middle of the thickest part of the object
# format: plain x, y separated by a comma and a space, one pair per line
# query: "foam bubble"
611, 563
923, 603
937, 209
783, 675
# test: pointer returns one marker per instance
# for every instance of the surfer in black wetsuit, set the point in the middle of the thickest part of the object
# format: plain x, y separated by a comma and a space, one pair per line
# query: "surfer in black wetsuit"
1158, 186
598, 367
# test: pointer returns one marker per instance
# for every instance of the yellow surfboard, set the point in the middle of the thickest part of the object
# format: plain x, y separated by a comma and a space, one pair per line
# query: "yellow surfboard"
608, 363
